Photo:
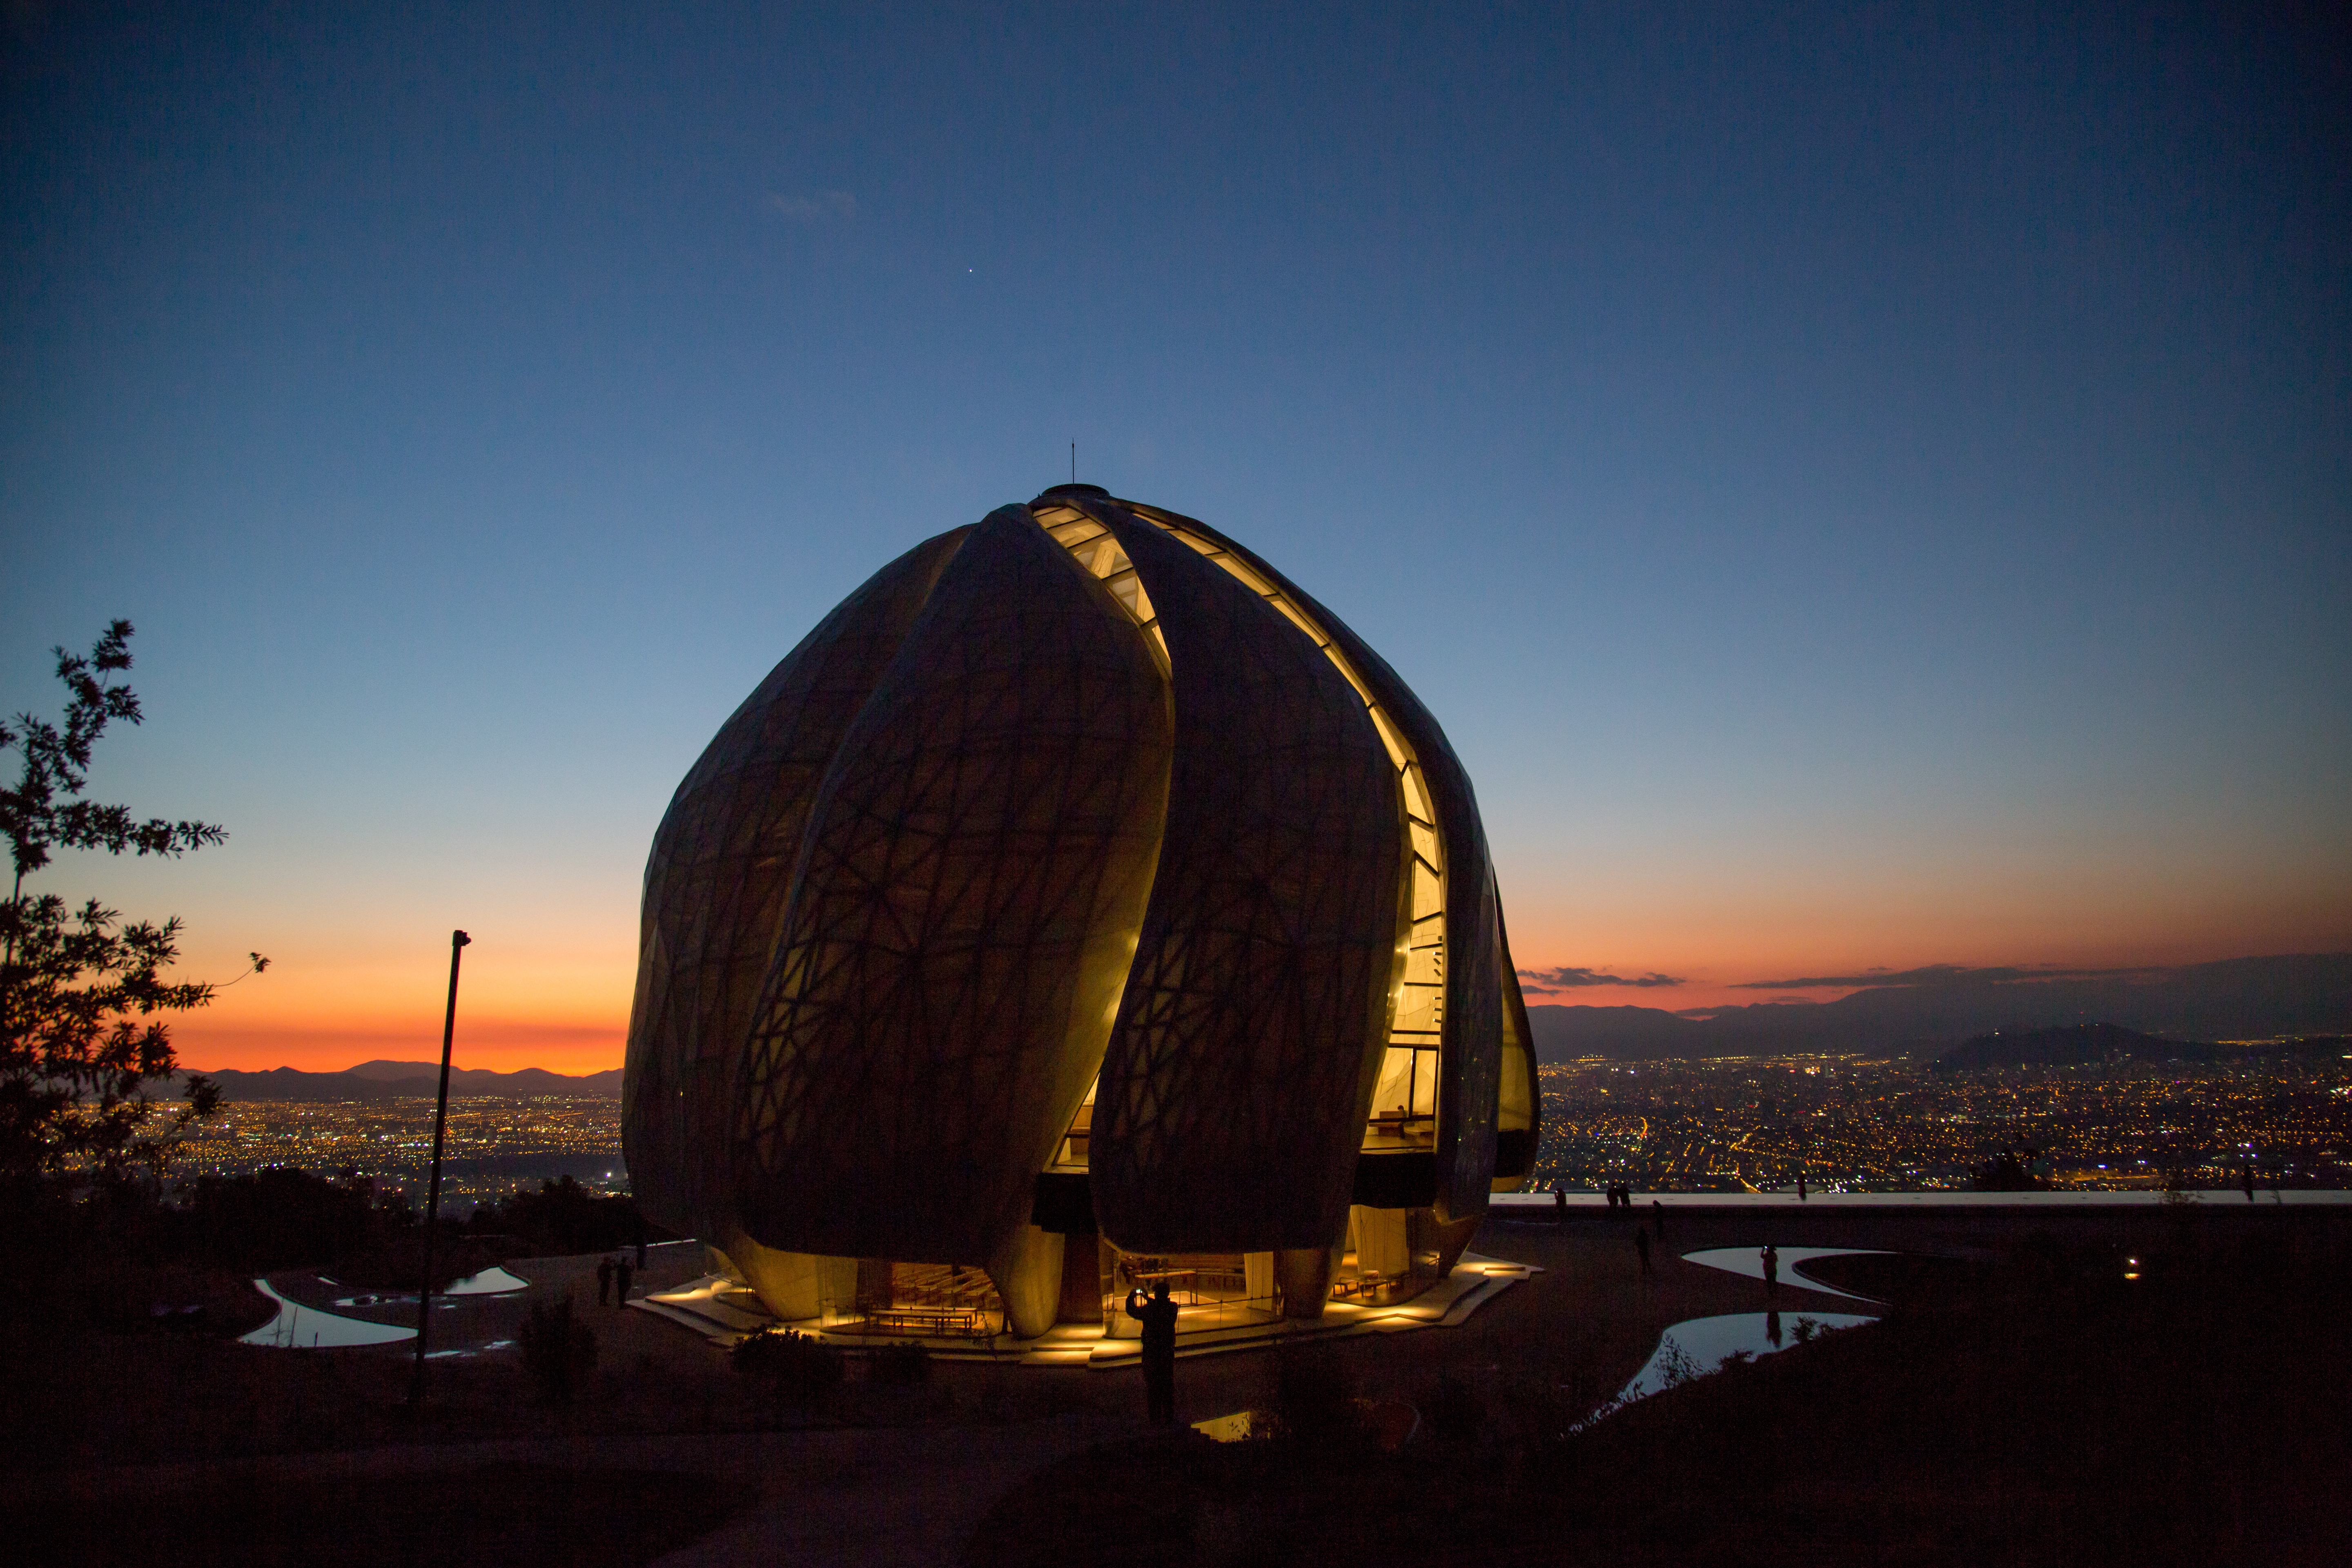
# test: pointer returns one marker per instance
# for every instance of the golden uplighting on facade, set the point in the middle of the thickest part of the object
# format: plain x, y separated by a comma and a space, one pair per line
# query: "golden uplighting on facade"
1080, 905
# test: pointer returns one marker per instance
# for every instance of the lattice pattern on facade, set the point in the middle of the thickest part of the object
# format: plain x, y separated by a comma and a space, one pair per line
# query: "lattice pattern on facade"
1471, 1018
1087, 807
1404, 1104
1234, 1092
715, 889
975, 871
1403, 1111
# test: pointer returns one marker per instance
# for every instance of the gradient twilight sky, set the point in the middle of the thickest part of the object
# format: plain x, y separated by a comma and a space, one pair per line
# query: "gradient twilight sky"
1860, 486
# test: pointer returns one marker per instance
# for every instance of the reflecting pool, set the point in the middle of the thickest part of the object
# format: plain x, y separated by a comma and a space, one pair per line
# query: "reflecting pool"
1697, 1346
491, 1281
1749, 1260
298, 1327
483, 1349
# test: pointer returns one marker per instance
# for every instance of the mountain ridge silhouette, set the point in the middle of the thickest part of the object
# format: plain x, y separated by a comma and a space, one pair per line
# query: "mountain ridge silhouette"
408, 1080
2236, 998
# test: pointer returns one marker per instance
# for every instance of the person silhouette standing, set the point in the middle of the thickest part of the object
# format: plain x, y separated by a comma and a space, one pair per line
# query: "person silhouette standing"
603, 1281
1771, 1256
1156, 1313
1642, 1246
2246, 1177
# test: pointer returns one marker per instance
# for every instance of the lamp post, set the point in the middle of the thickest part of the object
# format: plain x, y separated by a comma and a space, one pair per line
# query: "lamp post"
457, 941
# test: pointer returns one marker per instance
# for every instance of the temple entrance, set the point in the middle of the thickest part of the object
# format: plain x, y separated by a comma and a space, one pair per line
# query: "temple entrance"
922, 1300
1392, 1255
1210, 1289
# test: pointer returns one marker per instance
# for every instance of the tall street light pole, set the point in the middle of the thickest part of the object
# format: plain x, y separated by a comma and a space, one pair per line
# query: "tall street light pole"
457, 941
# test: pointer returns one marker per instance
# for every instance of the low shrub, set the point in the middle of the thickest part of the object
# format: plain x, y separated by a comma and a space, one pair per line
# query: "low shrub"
399, 1263
564, 1218
900, 1366
792, 1368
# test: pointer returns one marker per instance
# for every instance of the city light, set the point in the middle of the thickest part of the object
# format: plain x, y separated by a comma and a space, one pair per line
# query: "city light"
1883, 1124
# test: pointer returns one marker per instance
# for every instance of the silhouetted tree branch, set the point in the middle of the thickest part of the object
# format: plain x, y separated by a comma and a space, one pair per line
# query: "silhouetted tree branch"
82, 1051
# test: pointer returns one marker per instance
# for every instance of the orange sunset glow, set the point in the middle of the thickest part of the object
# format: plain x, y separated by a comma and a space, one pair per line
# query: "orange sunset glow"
565, 1004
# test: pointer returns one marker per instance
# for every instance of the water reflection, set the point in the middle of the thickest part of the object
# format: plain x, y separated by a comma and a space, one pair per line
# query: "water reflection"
1749, 1260
298, 1327
1238, 1428
1697, 1346
471, 1350
491, 1281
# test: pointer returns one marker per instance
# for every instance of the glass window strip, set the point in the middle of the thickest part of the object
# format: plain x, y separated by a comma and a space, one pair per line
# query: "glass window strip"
1426, 891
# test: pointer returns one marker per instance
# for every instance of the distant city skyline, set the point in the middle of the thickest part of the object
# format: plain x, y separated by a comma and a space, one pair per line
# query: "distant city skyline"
1852, 1124
1860, 493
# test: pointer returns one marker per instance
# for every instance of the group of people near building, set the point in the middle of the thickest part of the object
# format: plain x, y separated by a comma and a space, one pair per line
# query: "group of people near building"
613, 1271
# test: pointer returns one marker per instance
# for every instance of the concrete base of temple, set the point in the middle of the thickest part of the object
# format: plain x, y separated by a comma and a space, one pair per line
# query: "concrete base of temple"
722, 1309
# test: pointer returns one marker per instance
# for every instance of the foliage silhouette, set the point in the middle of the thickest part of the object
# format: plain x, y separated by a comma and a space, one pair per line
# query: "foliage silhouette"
82, 1055
277, 1219
900, 1365
792, 1368
564, 1218
1676, 1366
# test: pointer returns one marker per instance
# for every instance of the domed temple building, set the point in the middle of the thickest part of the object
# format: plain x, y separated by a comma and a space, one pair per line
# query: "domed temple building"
1079, 904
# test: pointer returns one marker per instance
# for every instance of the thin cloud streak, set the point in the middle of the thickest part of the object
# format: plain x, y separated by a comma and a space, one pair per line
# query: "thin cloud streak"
1568, 978
1938, 975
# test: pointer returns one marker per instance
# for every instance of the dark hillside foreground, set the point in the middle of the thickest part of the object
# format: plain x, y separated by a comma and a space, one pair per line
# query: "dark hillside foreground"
2047, 1411
500, 1513
2025, 1404
2196, 1415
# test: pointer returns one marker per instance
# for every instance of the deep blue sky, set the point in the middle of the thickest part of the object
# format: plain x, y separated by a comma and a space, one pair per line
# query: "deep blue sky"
1860, 486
